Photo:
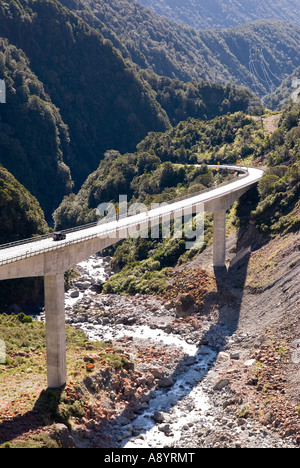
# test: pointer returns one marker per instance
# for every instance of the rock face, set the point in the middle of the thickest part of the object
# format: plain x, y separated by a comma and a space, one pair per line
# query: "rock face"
93, 273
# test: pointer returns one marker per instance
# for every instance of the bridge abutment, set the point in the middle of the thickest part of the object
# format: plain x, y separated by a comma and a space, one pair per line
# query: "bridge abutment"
55, 330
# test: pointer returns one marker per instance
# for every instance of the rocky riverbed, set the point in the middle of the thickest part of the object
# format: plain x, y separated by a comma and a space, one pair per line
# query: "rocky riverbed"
196, 370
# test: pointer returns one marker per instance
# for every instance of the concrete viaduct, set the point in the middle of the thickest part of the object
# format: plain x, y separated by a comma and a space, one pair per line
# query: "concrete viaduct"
42, 257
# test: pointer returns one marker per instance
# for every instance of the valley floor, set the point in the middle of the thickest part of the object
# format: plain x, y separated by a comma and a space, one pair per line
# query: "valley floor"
227, 376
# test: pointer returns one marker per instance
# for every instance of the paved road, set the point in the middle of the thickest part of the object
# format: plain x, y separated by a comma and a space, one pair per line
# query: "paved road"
17, 252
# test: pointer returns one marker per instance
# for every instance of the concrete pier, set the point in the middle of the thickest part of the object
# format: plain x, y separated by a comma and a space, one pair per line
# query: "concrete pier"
55, 330
219, 243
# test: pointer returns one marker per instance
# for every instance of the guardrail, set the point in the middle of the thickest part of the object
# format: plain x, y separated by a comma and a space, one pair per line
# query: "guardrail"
57, 246
102, 233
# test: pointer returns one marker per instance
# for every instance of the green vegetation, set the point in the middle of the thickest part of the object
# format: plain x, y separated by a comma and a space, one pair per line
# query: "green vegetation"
142, 176
178, 51
101, 98
21, 216
201, 100
224, 14
279, 210
33, 137
225, 139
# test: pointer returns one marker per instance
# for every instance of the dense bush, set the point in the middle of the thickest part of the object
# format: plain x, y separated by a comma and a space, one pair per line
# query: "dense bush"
21, 216
203, 100
178, 51
279, 209
33, 138
101, 99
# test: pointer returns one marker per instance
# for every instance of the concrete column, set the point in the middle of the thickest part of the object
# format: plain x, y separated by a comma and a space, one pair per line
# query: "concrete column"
55, 330
219, 245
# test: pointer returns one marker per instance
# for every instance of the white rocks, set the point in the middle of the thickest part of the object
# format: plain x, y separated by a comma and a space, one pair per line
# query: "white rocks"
249, 363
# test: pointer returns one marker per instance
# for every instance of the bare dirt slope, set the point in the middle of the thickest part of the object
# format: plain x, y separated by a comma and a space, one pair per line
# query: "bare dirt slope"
259, 301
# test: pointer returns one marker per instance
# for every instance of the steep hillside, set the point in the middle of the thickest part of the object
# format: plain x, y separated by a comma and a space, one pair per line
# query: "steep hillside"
21, 217
179, 51
203, 100
34, 141
223, 14
285, 93
148, 175
101, 99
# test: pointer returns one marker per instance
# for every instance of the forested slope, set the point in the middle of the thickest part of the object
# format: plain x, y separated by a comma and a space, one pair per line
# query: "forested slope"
178, 51
202, 14
34, 140
66, 107
102, 100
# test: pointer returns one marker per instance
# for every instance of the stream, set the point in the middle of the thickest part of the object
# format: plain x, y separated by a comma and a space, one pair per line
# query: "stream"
187, 410
175, 409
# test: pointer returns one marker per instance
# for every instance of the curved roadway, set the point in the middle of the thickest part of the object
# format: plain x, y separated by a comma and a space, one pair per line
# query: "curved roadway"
17, 251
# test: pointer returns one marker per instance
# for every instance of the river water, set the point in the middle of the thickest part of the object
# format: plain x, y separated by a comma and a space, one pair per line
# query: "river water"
177, 408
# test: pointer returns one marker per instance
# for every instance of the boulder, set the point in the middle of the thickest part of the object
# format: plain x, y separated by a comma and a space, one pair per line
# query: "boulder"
185, 305
62, 435
158, 416
83, 285
165, 382
222, 383
74, 294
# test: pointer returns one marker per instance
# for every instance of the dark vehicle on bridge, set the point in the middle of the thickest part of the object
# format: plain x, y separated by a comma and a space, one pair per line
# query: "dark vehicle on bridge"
59, 236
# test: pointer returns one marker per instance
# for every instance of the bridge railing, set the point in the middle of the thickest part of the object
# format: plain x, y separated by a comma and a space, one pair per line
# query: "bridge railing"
104, 233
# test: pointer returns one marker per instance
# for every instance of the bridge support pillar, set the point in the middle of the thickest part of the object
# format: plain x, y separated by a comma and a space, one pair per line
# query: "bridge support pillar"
55, 330
219, 241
